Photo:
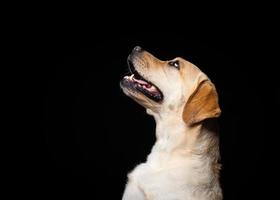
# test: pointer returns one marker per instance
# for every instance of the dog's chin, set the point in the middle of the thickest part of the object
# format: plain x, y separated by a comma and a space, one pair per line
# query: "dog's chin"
136, 86
137, 97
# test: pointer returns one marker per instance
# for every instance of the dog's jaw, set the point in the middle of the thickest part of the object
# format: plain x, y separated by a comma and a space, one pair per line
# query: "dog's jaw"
138, 83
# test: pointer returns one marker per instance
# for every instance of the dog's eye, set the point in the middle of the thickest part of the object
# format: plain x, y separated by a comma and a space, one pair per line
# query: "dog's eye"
175, 64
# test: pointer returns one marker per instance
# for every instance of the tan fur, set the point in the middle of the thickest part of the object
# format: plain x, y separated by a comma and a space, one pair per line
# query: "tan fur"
183, 163
202, 104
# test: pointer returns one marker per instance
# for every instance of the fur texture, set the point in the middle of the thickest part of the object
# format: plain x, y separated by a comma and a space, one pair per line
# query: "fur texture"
183, 163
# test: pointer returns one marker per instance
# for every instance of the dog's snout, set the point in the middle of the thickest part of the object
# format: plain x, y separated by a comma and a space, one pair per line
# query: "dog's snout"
137, 49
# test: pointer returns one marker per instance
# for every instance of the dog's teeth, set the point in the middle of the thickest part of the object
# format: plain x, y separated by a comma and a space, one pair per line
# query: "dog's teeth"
131, 77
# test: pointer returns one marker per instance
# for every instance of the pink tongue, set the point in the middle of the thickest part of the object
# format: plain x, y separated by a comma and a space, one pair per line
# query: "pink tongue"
141, 82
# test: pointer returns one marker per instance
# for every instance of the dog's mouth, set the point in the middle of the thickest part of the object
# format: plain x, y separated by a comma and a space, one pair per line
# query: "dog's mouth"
136, 82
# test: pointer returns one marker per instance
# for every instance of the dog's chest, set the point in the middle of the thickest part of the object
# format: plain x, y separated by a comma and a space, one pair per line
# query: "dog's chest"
154, 182
156, 179
172, 178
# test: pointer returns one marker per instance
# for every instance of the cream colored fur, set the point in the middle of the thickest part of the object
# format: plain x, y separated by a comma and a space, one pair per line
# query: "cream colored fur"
183, 163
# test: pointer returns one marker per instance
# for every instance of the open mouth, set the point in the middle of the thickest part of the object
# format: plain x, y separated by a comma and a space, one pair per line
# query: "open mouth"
137, 82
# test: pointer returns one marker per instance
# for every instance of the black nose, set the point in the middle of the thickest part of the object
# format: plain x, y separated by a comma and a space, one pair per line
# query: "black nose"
137, 49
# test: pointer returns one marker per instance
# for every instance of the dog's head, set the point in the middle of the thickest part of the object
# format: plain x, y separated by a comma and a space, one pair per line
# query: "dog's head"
170, 86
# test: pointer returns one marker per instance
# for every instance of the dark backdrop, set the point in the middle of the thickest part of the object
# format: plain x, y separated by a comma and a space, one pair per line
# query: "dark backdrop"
91, 135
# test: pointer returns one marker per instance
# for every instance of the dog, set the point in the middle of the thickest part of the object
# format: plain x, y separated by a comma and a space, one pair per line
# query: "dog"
184, 161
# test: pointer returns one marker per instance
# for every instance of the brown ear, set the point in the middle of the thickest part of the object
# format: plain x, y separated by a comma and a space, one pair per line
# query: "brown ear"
202, 104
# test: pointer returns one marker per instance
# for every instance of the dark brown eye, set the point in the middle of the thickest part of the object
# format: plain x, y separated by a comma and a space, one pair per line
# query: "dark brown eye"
175, 64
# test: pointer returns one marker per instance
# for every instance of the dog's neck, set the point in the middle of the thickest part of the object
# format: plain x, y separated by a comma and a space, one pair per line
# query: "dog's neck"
193, 148
172, 133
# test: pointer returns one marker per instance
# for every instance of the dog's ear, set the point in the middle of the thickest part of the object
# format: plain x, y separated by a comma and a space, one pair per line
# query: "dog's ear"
202, 104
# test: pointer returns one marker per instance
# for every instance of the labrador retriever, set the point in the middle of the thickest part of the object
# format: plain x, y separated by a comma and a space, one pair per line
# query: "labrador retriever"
184, 161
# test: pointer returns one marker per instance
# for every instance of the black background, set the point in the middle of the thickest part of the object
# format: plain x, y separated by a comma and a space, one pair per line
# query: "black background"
91, 135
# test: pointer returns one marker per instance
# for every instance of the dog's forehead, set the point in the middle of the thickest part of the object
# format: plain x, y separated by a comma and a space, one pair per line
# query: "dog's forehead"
191, 69
187, 65
189, 72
